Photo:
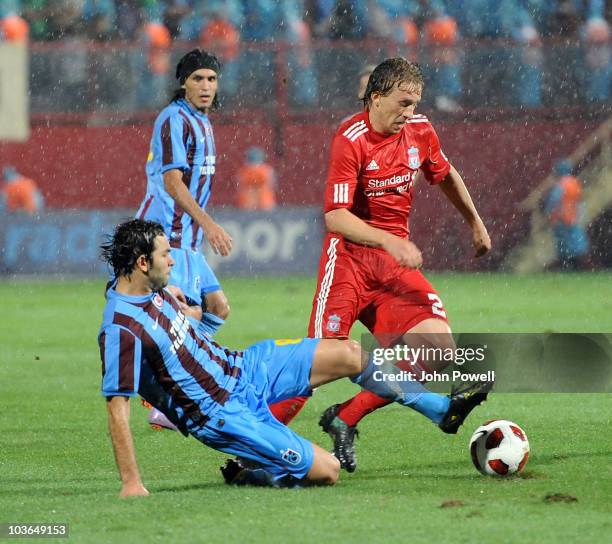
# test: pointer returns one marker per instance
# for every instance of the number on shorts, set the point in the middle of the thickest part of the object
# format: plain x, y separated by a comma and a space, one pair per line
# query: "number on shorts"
437, 307
287, 341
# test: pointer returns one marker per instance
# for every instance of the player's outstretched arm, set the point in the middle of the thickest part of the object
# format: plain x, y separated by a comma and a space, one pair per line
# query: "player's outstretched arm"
455, 190
123, 446
219, 240
342, 221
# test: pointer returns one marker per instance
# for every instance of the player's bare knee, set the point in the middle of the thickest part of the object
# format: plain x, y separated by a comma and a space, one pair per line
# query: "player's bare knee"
333, 471
446, 344
354, 357
436, 337
325, 469
348, 358
445, 341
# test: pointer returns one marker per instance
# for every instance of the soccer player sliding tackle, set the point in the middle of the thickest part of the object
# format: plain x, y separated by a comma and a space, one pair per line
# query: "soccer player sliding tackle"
369, 268
217, 395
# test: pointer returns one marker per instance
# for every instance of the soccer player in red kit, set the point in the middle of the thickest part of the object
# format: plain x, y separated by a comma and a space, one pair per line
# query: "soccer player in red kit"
369, 268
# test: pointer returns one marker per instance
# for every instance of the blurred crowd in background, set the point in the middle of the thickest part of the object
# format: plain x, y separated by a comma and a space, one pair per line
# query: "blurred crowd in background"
261, 20
534, 51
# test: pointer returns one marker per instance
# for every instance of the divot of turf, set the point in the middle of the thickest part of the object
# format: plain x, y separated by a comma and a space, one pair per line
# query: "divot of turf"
530, 475
454, 503
560, 497
474, 514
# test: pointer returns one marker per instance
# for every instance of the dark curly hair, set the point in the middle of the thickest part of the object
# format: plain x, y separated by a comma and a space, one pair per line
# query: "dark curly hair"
389, 73
130, 240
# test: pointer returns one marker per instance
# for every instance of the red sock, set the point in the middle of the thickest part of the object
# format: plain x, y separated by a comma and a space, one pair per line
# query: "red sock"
286, 410
353, 410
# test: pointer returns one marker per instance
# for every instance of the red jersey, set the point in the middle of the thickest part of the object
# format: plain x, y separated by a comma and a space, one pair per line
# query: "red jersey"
372, 175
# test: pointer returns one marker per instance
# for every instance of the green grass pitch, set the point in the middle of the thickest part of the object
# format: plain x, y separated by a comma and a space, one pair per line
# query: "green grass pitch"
413, 484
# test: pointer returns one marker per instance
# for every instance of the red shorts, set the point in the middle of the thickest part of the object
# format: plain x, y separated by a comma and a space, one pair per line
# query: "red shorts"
367, 284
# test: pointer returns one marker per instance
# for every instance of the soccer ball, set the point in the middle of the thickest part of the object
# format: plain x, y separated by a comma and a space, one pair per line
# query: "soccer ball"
499, 448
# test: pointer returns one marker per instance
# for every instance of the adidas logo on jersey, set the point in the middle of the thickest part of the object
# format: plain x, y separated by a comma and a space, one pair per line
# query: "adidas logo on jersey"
372, 165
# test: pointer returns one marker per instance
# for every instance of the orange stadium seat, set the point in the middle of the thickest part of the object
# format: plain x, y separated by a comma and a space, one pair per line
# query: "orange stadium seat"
14, 29
441, 31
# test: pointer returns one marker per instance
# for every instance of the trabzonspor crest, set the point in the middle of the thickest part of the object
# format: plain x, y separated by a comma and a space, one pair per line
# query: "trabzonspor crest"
290, 456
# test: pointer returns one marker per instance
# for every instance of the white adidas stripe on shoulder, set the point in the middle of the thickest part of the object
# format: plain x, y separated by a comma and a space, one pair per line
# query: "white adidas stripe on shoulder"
355, 130
418, 118
357, 134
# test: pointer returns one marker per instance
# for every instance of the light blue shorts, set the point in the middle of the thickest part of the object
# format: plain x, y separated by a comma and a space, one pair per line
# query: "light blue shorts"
193, 275
273, 370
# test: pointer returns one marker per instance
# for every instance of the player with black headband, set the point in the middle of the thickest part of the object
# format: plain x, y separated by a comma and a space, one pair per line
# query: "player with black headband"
180, 170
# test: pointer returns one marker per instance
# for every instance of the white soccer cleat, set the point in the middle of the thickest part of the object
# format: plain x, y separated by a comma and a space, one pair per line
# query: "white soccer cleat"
159, 421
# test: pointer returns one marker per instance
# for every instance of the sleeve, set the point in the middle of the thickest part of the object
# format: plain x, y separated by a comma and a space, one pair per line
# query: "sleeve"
436, 166
552, 199
174, 137
121, 354
344, 168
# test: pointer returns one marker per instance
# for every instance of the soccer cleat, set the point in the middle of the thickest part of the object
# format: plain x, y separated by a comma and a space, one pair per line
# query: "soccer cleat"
462, 402
232, 470
159, 421
343, 436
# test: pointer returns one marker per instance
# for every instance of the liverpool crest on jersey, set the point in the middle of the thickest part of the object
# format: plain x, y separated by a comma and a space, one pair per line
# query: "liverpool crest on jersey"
413, 158
333, 323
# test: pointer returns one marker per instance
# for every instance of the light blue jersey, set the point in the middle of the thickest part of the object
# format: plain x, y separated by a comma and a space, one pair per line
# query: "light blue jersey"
219, 396
182, 139
148, 346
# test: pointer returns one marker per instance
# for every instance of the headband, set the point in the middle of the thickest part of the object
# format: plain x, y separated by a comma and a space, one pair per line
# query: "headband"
196, 60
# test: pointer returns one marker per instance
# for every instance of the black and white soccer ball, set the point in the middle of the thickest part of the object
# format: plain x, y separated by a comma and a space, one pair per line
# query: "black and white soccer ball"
499, 448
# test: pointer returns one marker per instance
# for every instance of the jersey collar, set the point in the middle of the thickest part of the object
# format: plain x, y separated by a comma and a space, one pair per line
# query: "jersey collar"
112, 294
182, 102
377, 136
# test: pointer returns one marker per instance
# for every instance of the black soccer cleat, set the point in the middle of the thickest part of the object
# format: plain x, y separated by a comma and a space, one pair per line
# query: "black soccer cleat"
232, 470
462, 402
343, 437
